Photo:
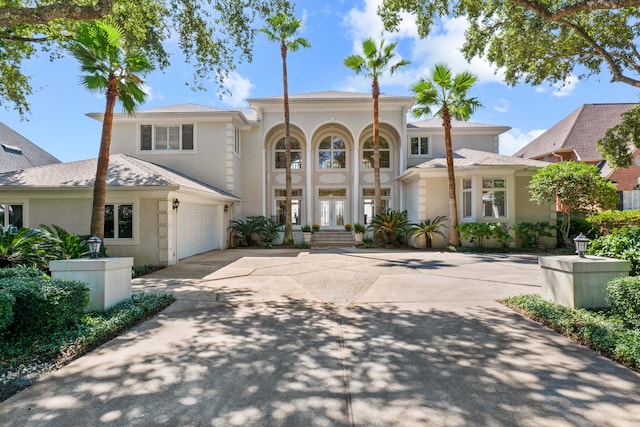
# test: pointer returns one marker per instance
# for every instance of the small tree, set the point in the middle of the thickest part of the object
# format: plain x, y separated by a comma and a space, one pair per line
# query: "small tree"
578, 189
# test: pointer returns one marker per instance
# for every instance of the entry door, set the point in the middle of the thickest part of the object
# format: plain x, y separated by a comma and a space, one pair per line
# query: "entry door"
332, 213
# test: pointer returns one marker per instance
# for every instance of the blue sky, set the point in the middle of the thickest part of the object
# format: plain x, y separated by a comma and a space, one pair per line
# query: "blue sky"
335, 29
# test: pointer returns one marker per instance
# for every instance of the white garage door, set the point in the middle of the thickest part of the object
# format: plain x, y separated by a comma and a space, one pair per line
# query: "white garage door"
196, 229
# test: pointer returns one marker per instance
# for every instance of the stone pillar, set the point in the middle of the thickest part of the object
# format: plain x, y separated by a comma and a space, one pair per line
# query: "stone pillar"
579, 282
109, 279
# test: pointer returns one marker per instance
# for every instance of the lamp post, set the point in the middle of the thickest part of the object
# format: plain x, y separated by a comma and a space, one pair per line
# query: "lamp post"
94, 246
581, 241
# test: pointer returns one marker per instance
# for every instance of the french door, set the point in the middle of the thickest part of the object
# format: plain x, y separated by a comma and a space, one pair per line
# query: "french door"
332, 213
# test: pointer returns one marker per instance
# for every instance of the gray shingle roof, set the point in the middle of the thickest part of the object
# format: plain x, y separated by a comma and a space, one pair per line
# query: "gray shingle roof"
124, 171
466, 157
17, 152
578, 132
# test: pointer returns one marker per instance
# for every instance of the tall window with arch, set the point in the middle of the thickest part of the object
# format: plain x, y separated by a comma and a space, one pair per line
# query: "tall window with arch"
296, 154
367, 154
332, 153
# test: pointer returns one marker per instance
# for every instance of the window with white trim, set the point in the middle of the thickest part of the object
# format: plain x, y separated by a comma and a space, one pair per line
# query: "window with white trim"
494, 198
11, 214
281, 205
467, 211
166, 137
368, 203
296, 154
367, 154
236, 147
118, 221
332, 153
419, 146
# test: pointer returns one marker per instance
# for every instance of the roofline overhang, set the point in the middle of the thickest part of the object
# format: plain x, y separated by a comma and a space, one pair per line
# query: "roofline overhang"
224, 115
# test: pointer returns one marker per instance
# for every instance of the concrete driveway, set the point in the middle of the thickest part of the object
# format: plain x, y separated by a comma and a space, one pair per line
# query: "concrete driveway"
336, 338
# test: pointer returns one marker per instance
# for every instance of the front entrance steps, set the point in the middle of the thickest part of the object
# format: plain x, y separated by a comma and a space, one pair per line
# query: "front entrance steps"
332, 238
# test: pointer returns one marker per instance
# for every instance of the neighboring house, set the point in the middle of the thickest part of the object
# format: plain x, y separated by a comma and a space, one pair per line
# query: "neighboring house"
574, 138
17, 152
231, 165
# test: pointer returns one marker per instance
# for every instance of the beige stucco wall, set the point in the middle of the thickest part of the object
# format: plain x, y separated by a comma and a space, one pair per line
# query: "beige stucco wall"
478, 141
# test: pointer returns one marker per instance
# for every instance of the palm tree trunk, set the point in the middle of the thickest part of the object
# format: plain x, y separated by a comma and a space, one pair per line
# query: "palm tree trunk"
288, 228
377, 192
454, 236
100, 185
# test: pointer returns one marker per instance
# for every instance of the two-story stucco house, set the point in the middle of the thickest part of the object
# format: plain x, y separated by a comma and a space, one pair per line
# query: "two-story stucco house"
179, 174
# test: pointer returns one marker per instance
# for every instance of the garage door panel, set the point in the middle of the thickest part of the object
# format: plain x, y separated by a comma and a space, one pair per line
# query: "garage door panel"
196, 229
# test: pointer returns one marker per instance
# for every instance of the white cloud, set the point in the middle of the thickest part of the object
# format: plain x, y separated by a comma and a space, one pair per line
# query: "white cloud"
240, 89
149, 91
567, 87
515, 139
501, 105
443, 45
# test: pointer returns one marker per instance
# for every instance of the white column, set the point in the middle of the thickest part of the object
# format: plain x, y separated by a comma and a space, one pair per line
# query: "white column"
309, 193
355, 196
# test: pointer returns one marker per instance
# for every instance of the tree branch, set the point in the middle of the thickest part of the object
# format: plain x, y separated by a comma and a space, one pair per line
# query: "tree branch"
10, 16
579, 6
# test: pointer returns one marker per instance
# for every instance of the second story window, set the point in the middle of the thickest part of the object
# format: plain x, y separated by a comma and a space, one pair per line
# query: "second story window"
419, 146
165, 138
367, 154
332, 153
296, 154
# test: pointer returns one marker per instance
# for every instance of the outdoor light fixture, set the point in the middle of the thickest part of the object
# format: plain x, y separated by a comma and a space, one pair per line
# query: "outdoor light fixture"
581, 242
176, 204
226, 208
94, 246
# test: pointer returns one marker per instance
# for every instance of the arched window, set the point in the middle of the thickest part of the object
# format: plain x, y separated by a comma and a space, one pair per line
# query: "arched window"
367, 154
332, 153
296, 154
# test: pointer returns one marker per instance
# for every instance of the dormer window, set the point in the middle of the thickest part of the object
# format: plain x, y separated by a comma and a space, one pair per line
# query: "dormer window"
166, 137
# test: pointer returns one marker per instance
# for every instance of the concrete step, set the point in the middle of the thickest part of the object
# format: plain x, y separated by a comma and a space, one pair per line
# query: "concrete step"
326, 238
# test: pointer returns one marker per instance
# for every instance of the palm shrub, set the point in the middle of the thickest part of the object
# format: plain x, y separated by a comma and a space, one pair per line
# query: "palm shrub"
27, 247
70, 246
255, 229
393, 225
428, 228
623, 244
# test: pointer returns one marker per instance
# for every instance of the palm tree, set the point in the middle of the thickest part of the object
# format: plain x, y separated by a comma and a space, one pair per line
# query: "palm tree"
449, 93
377, 60
112, 70
428, 228
283, 28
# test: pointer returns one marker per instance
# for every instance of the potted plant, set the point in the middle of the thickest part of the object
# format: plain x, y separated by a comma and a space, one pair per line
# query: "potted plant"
306, 233
315, 227
347, 227
358, 232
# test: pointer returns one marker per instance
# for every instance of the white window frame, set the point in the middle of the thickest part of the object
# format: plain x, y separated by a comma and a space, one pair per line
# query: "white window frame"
276, 151
388, 150
166, 150
467, 192
237, 141
419, 154
4, 220
300, 199
492, 190
134, 239
333, 151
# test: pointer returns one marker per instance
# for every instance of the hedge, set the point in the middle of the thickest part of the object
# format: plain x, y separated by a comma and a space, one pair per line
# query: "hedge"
607, 221
624, 296
6, 309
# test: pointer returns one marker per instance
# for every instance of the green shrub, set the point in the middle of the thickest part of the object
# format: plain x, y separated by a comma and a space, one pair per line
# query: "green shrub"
428, 228
529, 233
255, 230
142, 270
43, 305
578, 225
6, 309
623, 244
22, 272
608, 221
27, 247
359, 228
624, 296
476, 232
70, 246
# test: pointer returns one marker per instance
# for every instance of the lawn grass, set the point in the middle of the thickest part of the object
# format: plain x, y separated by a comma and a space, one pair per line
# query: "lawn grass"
33, 354
599, 330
